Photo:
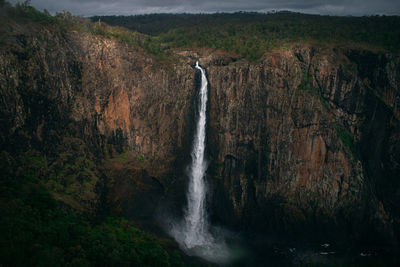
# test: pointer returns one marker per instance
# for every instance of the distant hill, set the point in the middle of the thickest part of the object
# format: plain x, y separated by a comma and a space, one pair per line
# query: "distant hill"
155, 24
251, 34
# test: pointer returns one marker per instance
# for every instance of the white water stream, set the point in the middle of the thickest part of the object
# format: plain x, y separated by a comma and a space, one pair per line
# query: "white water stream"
193, 233
196, 226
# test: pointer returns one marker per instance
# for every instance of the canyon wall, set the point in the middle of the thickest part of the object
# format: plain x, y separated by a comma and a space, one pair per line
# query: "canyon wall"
105, 97
304, 141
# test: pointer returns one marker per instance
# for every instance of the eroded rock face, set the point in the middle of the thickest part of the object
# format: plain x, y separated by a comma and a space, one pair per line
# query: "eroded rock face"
306, 140
133, 96
113, 97
289, 138
118, 90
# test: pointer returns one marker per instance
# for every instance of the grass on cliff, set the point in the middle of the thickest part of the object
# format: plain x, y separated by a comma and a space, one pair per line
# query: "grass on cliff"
348, 141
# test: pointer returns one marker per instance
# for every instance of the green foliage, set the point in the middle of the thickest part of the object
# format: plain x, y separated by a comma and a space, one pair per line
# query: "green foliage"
36, 232
45, 200
69, 172
219, 170
150, 44
248, 35
252, 34
122, 157
64, 21
348, 141
141, 157
306, 84
26, 11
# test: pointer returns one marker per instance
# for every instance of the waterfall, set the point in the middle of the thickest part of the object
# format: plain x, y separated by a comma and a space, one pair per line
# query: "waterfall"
195, 220
193, 232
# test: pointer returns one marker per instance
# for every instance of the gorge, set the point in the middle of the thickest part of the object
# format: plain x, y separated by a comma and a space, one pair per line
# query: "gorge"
302, 144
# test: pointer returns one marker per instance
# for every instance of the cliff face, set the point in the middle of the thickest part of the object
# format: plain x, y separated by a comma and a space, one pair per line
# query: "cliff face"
306, 139
107, 97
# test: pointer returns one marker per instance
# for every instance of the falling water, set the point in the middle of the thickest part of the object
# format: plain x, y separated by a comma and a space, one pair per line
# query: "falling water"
195, 216
193, 233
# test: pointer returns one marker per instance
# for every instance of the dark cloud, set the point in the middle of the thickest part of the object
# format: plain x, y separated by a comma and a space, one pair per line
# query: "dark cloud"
128, 7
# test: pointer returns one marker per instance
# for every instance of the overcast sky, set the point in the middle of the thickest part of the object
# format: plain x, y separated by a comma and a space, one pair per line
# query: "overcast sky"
129, 7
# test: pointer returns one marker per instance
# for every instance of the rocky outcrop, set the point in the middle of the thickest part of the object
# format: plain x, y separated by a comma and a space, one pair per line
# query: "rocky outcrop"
305, 140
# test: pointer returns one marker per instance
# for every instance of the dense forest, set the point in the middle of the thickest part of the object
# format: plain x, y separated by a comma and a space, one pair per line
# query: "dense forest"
251, 34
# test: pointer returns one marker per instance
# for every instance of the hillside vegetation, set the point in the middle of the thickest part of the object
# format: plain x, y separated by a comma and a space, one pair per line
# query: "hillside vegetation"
251, 34
247, 35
